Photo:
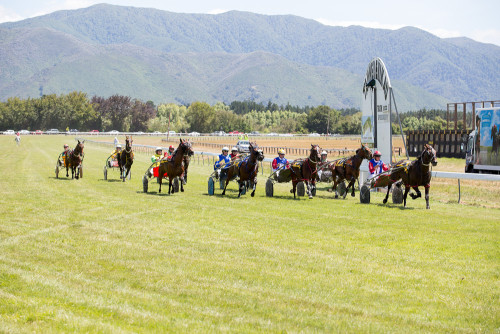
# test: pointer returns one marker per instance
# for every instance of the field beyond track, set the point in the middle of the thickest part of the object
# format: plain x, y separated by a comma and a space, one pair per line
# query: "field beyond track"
92, 255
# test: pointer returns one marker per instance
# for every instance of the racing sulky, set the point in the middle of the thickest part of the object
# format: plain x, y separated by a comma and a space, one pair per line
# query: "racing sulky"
306, 171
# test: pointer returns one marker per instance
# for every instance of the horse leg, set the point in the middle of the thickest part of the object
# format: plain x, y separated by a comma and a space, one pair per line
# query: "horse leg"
182, 182
407, 189
353, 182
254, 187
170, 191
225, 186
294, 186
309, 192
67, 171
427, 197
160, 179
241, 184
417, 195
334, 187
388, 190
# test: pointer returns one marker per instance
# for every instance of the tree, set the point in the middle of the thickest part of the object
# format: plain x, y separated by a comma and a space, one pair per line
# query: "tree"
200, 117
322, 117
141, 114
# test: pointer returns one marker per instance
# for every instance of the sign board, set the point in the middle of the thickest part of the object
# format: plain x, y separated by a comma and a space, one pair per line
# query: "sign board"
376, 109
488, 140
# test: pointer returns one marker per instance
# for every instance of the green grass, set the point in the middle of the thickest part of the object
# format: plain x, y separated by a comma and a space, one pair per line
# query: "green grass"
102, 256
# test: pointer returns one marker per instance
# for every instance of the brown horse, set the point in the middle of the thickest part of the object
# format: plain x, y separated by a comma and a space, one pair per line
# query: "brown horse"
186, 160
306, 171
348, 169
247, 169
126, 158
74, 160
414, 174
174, 167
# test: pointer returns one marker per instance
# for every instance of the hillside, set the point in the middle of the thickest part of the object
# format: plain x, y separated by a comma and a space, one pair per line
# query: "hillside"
160, 55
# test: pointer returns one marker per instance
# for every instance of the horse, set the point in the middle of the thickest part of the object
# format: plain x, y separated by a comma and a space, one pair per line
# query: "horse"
74, 160
414, 174
306, 171
247, 170
348, 169
186, 160
126, 158
174, 167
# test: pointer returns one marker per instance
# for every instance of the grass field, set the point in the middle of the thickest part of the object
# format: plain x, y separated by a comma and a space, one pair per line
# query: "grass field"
102, 256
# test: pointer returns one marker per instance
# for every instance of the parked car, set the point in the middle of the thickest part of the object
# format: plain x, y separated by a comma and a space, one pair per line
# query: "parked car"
52, 132
243, 146
73, 130
219, 133
156, 133
37, 132
255, 133
194, 134
24, 132
139, 133
114, 132
272, 134
9, 132
170, 133
314, 134
94, 131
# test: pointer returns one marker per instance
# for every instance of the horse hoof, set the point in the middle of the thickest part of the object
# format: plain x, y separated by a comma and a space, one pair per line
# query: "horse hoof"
252, 194
352, 195
310, 197
291, 191
336, 196
384, 201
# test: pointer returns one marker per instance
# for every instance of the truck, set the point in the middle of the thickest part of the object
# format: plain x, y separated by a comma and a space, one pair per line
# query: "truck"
482, 145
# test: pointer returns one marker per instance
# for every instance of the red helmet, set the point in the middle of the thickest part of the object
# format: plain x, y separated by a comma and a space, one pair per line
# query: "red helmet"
171, 146
377, 154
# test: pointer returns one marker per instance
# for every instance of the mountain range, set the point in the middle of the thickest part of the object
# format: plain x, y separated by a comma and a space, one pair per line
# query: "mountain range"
171, 57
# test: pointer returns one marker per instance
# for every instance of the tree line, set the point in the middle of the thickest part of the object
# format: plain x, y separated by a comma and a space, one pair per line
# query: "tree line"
77, 111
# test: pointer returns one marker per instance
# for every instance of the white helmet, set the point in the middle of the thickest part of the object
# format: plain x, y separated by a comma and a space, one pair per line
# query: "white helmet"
158, 149
324, 152
234, 149
225, 148
118, 146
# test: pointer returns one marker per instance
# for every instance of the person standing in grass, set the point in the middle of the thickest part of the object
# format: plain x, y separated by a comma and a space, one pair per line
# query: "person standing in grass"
18, 139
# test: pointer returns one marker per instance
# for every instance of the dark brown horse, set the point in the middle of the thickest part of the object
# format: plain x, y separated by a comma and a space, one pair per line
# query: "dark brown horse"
186, 160
306, 171
74, 160
414, 174
174, 167
247, 170
348, 169
126, 158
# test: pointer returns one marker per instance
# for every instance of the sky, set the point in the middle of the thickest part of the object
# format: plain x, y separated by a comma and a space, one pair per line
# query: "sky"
476, 19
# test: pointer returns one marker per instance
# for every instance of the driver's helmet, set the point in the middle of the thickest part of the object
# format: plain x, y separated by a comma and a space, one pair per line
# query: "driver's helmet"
171, 148
119, 146
377, 154
158, 149
324, 153
66, 146
225, 148
234, 149
281, 151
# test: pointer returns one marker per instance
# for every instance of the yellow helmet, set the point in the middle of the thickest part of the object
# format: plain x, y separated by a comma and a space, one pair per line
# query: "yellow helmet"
281, 151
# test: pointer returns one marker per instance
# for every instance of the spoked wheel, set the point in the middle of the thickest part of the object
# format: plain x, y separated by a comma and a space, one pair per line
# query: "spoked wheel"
313, 190
105, 173
211, 186
175, 185
364, 194
301, 189
269, 188
145, 183
341, 189
397, 194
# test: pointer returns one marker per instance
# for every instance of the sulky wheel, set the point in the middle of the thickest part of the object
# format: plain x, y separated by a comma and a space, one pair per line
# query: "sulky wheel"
397, 194
341, 189
129, 175
175, 185
313, 190
211, 186
364, 194
244, 189
105, 173
145, 183
269, 188
301, 189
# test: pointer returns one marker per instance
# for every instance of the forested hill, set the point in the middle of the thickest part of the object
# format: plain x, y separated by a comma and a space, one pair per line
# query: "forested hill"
161, 55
